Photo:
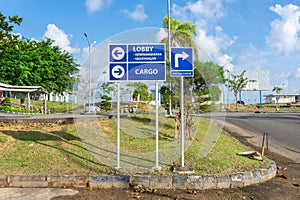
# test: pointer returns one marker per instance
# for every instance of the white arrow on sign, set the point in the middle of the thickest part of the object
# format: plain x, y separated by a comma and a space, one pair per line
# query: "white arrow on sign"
118, 71
118, 53
182, 56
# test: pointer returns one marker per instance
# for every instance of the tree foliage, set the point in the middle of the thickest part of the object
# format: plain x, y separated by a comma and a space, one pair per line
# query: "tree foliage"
30, 62
7, 39
141, 92
207, 75
182, 34
106, 98
237, 82
277, 89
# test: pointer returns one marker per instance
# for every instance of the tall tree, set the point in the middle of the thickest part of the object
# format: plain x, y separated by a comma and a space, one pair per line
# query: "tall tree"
106, 98
38, 63
182, 34
237, 82
277, 89
7, 39
141, 92
29, 62
207, 78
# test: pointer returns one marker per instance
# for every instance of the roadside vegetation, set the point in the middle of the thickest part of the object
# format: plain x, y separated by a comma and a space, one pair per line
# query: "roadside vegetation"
13, 105
58, 149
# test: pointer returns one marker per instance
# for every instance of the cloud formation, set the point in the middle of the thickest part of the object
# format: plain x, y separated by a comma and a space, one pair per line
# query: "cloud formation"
211, 37
138, 14
95, 5
284, 35
298, 73
60, 38
202, 11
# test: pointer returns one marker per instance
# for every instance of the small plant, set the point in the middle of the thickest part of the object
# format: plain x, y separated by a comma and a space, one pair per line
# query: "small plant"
3, 138
18, 110
6, 102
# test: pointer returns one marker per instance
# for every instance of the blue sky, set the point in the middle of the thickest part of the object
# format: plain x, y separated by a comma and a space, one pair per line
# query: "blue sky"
237, 34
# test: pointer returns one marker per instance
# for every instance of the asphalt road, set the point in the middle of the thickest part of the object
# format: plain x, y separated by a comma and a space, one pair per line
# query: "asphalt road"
283, 128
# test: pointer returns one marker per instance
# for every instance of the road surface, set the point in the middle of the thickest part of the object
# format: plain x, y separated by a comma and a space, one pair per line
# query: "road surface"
283, 129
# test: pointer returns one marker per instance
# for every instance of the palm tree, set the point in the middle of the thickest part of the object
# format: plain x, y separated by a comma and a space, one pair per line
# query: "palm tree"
181, 34
237, 83
277, 89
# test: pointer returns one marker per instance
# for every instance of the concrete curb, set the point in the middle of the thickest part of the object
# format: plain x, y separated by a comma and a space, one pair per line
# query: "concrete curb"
146, 181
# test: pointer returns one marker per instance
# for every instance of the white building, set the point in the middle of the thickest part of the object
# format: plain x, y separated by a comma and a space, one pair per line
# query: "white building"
282, 98
53, 96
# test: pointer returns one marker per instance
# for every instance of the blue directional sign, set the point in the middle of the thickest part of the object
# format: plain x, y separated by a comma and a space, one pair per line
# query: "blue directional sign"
182, 62
146, 71
118, 53
146, 53
137, 62
118, 72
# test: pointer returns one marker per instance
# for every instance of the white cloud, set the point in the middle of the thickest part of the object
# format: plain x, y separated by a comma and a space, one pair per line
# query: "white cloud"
285, 30
248, 55
95, 5
60, 38
161, 34
298, 73
205, 14
215, 44
138, 14
225, 61
204, 11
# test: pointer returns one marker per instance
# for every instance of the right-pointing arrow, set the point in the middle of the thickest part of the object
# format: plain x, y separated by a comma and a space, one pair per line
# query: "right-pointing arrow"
118, 72
178, 56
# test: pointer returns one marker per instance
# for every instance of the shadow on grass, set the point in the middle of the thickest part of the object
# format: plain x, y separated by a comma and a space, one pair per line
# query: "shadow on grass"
61, 136
58, 136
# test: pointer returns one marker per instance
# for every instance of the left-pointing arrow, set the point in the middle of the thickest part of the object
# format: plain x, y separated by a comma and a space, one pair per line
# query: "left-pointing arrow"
118, 53
182, 56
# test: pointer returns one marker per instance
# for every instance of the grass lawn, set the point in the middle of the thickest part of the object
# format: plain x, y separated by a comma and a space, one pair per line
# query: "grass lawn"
54, 107
82, 149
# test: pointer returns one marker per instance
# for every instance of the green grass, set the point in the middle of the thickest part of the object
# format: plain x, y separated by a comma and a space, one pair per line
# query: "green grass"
283, 107
55, 107
58, 149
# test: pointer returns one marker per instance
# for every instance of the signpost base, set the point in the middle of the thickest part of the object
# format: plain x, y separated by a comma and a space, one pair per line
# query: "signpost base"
156, 168
183, 170
117, 168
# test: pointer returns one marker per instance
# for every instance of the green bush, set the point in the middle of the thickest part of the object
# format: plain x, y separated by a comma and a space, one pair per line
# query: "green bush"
6, 102
18, 110
58, 110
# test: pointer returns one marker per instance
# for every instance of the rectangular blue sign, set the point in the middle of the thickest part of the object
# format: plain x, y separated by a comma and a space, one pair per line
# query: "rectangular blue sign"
182, 73
146, 71
182, 61
146, 53
136, 62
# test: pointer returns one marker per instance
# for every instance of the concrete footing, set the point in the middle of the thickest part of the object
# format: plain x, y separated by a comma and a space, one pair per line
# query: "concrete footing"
146, 181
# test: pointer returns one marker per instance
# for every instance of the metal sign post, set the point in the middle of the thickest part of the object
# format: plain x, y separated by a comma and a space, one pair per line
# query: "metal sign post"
118, 167
182, 66
182, 121
157, 167
137, 62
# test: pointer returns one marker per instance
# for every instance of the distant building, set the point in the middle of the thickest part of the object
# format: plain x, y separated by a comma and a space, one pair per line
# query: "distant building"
282, 98
32, 92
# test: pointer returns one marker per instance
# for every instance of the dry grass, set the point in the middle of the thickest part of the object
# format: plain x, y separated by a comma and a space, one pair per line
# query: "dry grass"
58, 149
